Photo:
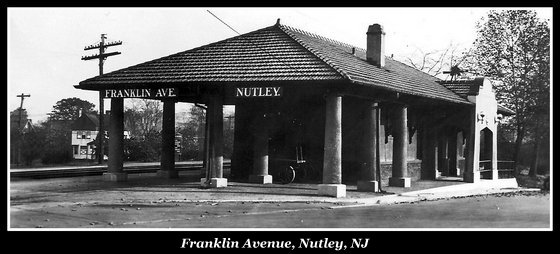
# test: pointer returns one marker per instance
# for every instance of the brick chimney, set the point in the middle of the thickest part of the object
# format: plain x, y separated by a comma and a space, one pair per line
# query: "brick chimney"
375, 52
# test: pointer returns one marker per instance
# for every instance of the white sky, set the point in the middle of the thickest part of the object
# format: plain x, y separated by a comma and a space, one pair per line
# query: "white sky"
45, 45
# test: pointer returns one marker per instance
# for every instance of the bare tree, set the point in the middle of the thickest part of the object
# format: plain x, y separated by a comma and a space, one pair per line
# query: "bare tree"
143, 116
435, 62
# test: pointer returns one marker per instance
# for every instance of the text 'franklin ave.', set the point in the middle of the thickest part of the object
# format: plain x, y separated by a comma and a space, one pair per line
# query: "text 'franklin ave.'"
140, 93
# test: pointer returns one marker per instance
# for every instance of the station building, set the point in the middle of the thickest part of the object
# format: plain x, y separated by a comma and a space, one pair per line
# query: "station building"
355, 114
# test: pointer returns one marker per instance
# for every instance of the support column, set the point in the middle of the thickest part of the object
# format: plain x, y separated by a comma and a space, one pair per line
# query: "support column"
115, 170
260, 151
167, 166
429, 160
442, 154
332, 160
452, 152
494, 155
214, 177
369, 150
204, 171
472, 150
399, 176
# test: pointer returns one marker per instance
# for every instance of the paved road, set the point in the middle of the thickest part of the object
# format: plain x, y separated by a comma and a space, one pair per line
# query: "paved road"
512, 210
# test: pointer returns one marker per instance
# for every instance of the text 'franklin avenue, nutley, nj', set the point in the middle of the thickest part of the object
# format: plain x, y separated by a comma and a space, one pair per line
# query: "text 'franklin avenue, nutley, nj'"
301, 243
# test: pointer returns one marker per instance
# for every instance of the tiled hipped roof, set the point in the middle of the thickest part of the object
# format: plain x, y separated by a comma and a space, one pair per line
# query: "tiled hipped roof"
264, 55
465, 88
277, 53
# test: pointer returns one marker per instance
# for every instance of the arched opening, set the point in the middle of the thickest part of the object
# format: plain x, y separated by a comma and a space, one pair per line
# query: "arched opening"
486, 151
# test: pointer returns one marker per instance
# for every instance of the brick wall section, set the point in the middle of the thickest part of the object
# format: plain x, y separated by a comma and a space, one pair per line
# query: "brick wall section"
413, 171
350, 173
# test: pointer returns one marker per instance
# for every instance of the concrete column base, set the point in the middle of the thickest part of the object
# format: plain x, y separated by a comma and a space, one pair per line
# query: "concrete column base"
473, 177
454, 174
332, 190
261, 179
369, 186
115, 177
214, 182
399, 182
168, 173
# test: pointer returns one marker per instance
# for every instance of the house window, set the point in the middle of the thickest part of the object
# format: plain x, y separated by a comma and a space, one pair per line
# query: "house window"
78, 134
88, 134
75, 149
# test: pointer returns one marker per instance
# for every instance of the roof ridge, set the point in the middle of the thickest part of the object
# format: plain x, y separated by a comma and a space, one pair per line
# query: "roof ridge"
321, 37
288, 30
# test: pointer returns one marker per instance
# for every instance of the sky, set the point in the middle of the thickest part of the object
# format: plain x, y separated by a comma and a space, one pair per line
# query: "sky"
45, 45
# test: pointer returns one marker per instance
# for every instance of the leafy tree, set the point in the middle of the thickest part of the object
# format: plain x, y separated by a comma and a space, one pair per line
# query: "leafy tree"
33, 143
145, 149
70, 108
513, 46
54, 136
57, 146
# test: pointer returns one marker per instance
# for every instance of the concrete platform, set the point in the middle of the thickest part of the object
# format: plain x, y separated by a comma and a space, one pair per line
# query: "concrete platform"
92, 202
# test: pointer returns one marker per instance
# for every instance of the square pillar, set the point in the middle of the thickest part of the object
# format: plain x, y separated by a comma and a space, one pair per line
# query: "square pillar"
472, 150
369, 153
332, 160
399, 176
115, 170
167, 166
429, 147
215, 134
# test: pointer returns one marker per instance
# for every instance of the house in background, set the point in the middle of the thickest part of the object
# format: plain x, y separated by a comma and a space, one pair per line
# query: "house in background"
84, 131
84, 135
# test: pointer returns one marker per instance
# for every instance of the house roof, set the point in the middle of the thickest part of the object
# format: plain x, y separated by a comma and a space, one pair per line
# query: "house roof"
277, 53
89, 122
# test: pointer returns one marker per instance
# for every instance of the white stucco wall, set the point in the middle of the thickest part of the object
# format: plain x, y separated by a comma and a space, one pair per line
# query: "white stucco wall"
485, 116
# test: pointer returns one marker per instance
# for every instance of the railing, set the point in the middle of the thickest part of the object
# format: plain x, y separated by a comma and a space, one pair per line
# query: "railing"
506, 169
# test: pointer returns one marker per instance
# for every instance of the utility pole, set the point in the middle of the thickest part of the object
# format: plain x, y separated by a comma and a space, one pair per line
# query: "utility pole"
22, 96
101, 56
20, 131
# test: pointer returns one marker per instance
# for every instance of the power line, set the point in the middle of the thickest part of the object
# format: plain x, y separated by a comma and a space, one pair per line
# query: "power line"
223, 22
